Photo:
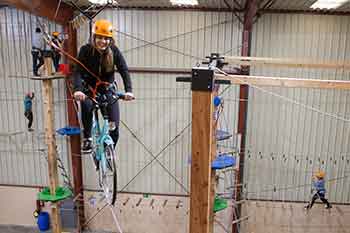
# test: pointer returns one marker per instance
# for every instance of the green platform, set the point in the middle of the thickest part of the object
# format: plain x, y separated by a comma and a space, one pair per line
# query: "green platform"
61, 194
219, 204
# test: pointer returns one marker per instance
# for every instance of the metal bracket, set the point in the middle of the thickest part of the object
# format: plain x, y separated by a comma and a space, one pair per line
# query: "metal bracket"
202, 79
189, 80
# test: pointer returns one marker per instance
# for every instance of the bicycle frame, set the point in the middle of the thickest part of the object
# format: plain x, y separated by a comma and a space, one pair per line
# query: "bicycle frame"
100, 137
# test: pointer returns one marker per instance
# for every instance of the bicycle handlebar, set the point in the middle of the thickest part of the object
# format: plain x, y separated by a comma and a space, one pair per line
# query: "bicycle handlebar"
115, 98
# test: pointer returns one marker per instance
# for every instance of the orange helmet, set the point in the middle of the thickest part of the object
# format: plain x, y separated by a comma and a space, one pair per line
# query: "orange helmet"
55, 34
103, 27
320, 174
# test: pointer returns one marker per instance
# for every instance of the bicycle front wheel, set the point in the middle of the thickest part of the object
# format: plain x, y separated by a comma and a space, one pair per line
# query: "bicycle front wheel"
108, 174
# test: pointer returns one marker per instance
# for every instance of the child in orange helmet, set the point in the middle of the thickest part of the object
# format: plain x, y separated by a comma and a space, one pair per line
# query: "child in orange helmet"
319, 191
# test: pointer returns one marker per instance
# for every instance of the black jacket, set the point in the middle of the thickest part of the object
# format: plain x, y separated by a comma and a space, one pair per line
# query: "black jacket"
91, 58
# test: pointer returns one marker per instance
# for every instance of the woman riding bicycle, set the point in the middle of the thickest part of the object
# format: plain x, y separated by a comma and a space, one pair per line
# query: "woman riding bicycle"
100, 57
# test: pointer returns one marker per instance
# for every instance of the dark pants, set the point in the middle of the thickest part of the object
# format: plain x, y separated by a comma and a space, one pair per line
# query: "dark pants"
315, 197
56, 59
87, 114
37, 57
29, 116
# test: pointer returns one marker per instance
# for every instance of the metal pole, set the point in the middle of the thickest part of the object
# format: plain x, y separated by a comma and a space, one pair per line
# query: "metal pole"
250, 11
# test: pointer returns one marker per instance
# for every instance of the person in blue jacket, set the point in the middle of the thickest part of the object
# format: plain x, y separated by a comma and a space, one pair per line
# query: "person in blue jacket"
28, 109
319, 191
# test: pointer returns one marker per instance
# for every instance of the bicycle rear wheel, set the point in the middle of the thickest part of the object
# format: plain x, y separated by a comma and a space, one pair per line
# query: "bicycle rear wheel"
108, 174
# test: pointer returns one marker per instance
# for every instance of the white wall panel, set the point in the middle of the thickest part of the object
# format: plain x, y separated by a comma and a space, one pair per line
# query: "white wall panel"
287, 142
21, 162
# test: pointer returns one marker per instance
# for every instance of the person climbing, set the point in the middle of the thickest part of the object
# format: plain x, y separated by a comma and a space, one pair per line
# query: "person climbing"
100, 56
319, 191
28, 109
56, 56
38, 46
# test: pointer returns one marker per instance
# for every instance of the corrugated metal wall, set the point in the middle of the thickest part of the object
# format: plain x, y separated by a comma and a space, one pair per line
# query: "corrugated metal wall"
163, 107
21, 162
287, 142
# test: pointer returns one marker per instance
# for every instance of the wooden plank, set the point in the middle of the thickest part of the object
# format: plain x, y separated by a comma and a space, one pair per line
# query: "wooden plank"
279, 62
51, 143
285, 82
166, 70
48, 73
202, 196
51, 77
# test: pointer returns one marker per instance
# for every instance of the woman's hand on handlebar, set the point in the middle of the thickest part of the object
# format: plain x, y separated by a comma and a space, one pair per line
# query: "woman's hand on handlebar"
128, 96
78, 95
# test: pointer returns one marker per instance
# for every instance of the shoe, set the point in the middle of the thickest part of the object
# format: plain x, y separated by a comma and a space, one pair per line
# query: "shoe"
307, 207
328, 206
30, 129
87, 146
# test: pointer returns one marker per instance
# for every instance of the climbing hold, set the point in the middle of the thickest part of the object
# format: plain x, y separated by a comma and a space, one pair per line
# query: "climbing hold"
69, 131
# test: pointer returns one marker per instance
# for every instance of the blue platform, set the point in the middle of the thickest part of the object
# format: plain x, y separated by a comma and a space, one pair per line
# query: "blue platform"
69, 131
222, 135
223, 161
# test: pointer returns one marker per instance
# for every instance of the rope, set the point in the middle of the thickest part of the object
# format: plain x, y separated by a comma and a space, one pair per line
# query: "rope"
58, 7
184, 34
336, 179
159, 46
155, 157
66, 178
287, 99
94, 215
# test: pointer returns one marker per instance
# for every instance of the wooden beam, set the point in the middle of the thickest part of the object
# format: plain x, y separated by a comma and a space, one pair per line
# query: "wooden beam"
279, 62
202, 196
51, 143
159, 70
51, 77
43, 8
285, 82
77, 167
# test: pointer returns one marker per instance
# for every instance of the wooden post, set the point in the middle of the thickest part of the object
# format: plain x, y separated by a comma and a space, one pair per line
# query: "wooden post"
202, 177
71, 47
51, 142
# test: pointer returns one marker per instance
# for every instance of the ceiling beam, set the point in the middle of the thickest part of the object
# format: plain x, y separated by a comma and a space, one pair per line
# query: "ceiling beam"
233, 11
308, 12
226, 9
43, 8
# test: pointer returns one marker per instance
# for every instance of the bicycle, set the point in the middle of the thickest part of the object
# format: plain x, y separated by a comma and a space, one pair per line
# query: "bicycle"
103, 154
